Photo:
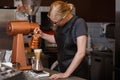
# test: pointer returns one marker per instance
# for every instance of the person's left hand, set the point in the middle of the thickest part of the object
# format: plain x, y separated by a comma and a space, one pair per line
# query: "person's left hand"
59, 75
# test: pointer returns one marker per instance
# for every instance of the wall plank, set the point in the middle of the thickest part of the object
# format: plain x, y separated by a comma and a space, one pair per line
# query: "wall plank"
92, 10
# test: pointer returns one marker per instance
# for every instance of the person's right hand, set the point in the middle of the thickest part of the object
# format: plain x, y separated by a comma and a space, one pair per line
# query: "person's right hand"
38, 31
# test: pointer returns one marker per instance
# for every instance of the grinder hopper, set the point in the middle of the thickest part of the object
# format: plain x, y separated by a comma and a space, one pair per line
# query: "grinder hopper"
31, 7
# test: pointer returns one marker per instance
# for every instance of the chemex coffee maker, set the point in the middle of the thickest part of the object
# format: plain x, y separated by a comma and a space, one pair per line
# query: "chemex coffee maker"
36, 64
20, 28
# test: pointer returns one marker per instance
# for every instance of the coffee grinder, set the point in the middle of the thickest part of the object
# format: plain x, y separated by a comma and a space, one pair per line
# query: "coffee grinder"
20, 28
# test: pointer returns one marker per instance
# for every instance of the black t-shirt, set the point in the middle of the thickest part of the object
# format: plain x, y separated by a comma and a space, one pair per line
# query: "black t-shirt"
79, 28
66, 37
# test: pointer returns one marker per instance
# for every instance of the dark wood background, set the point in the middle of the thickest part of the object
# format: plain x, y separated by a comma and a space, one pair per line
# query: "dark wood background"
90, 10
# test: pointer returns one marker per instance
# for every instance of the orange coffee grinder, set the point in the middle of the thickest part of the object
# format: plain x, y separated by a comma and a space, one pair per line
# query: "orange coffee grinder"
20, 28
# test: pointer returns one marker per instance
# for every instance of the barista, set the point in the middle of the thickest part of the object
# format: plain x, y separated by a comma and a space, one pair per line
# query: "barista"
71, 37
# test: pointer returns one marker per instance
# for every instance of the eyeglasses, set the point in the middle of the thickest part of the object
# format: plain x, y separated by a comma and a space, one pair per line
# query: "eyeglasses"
56, 22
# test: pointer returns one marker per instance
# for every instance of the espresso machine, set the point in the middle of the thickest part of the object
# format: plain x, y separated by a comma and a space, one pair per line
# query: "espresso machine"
20, 28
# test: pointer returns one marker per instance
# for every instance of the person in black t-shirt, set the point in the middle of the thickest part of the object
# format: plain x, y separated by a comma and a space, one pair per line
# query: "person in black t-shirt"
70, 37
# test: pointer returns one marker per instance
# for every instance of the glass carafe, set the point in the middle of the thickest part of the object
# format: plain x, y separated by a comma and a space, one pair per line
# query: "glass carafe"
36, 62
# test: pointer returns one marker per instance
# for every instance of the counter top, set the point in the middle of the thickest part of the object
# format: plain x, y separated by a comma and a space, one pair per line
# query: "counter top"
29, 77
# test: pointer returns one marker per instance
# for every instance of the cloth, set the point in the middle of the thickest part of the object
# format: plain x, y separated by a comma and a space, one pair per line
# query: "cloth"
8, 56
2, 54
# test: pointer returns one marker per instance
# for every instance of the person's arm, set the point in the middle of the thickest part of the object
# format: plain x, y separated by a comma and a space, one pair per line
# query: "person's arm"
48, 37
81, 51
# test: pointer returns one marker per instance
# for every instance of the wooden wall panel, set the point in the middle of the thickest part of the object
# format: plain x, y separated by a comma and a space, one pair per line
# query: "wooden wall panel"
92, 10
6, 3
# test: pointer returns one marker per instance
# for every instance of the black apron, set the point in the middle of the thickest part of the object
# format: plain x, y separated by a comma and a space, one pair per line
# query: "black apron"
66, 46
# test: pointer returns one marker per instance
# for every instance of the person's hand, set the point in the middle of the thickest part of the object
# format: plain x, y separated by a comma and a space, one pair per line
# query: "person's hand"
57, 76
38, 31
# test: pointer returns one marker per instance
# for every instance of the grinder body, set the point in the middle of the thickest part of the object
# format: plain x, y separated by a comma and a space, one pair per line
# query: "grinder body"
18, 29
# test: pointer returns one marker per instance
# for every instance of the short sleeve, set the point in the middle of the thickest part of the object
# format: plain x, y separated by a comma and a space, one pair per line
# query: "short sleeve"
79, 29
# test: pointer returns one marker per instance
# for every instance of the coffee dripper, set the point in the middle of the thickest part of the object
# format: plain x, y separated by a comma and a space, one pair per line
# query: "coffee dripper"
36, 62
